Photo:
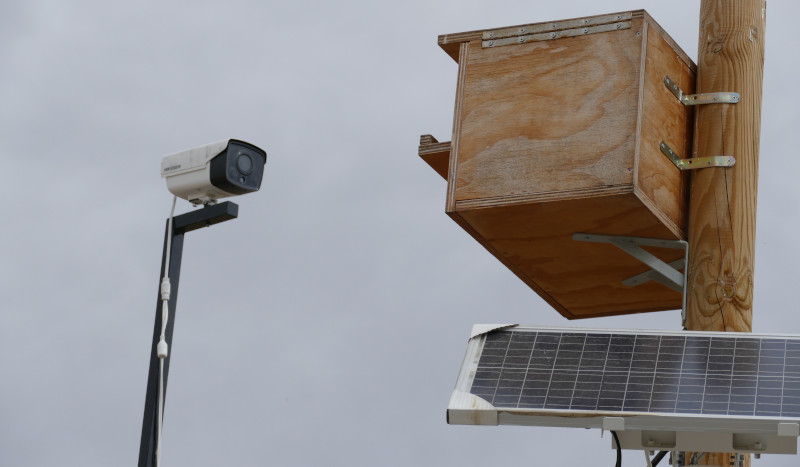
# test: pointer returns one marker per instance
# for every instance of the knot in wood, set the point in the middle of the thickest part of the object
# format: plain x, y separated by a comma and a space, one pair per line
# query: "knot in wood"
727, 290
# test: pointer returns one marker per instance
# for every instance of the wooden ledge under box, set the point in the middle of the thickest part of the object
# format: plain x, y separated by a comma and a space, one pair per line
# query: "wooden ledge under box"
557, 131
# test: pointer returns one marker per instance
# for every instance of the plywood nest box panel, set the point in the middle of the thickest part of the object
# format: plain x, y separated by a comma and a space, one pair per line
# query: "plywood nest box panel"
557, 131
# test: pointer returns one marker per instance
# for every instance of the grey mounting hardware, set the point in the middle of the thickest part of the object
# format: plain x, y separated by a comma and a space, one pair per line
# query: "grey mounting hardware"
661, 272
557, 30
697, 99
697, 162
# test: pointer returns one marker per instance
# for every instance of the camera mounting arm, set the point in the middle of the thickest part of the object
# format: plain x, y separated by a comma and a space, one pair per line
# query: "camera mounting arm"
193, 220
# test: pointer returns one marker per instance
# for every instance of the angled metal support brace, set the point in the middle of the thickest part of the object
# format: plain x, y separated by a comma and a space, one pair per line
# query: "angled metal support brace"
699, 99
661, 272
697, 162
647, 457
653, 275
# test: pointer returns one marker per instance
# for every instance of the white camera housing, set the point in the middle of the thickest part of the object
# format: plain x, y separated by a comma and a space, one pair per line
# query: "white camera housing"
204, 174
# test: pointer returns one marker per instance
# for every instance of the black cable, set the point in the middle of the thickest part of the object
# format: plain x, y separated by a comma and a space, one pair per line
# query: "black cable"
658, 458
619, 449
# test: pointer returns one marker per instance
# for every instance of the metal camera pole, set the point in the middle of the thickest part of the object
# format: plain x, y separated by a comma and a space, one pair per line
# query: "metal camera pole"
207, 216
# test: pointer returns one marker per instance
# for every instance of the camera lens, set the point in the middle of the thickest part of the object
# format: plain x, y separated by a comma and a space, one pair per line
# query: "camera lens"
244, 163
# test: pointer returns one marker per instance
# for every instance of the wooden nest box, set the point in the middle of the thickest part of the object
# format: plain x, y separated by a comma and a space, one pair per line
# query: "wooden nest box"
557, 130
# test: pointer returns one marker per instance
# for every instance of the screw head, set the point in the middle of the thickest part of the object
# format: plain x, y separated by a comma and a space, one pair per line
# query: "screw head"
491, 34
491, 43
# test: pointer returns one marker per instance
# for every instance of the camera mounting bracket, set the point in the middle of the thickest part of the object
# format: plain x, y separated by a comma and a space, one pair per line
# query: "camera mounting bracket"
193, 220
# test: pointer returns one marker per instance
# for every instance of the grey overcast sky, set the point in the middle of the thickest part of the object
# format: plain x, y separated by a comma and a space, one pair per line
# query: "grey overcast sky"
326, 325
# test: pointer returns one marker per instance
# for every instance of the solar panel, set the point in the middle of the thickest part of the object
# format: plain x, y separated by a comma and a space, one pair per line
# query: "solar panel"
660, 389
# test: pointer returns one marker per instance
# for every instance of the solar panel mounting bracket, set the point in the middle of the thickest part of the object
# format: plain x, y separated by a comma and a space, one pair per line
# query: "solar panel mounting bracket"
789, 429
667, 274
647, 458
613, 424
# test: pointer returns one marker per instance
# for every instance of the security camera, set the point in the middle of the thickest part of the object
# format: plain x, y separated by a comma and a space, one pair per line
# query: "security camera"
207, 173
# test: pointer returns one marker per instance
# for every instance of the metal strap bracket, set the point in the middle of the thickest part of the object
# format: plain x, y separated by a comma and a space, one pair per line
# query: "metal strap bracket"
556, 30
705, 98
697, 162
661, 272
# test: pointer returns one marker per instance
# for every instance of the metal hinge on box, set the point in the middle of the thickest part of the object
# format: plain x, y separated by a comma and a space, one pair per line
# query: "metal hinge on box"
557, 30
668, 274
697, 99
697, 162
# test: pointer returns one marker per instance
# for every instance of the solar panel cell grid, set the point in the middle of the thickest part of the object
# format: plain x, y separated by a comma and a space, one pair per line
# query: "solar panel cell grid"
639, 373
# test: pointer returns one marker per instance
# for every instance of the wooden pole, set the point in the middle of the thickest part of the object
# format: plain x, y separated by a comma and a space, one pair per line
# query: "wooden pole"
722, 208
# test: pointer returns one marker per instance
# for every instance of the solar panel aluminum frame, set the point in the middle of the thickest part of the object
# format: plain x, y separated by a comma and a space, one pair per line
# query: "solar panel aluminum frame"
636, 430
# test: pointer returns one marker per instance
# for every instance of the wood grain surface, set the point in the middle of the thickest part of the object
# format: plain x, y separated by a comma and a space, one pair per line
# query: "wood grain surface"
435, 154
549, 116
722, 213
463, 58
578, 279
723, 200
664, 118
556, 137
